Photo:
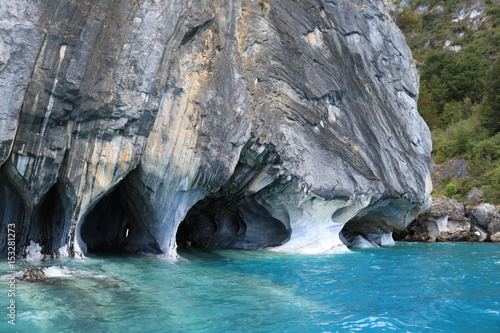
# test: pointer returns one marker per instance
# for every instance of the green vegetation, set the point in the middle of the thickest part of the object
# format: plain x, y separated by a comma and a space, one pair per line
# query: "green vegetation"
456, 45
451, 190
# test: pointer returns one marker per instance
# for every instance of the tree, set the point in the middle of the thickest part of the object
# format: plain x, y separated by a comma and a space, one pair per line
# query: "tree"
490, 113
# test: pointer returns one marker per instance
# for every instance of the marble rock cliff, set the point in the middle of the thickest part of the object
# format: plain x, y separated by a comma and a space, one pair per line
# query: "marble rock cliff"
144, 125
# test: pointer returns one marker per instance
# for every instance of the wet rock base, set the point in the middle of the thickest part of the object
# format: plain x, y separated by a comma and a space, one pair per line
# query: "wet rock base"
451, 221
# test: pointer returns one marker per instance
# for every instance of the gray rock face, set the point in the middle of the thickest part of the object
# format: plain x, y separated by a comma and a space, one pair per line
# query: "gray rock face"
31, 273
240, 123
488, 217
449, 220
444, 221
474, 198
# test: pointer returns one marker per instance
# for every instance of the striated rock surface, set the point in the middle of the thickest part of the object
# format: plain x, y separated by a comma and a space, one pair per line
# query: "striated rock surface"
139, 125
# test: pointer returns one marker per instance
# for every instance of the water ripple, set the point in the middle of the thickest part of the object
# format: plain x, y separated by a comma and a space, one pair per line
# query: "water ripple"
408, 288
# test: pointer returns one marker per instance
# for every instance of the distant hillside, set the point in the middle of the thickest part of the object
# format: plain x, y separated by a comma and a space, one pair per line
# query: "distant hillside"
456, 45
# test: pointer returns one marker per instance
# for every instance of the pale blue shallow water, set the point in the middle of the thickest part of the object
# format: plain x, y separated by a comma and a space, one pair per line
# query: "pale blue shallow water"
453, 287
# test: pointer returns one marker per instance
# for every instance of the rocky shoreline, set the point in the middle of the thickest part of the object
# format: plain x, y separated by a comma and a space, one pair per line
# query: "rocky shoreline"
448, 220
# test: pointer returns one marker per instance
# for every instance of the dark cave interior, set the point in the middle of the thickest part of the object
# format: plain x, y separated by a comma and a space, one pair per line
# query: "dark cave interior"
117, 223
220, 223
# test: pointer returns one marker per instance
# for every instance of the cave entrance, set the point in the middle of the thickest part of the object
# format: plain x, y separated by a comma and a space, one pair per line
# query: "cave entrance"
51, 220
366, 233
117, 224
353, 238
219, 222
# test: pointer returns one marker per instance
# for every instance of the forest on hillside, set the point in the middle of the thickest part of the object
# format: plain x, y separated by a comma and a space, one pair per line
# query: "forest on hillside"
456, 48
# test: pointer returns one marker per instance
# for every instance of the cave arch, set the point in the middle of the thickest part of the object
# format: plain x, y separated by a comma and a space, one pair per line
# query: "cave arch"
356, 234
119, 222
239, 215
51, 220
376, 223
221, 222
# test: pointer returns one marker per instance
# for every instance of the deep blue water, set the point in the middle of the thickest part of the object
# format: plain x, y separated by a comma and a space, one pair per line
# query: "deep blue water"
440, 287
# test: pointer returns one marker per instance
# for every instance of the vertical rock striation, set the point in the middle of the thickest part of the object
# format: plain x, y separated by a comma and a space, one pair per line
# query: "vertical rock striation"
289, 125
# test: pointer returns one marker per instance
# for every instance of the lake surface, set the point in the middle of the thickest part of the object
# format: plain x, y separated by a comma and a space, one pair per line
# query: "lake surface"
412, 287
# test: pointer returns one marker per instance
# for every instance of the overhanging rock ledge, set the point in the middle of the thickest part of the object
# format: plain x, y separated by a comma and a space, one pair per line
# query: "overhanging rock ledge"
132, 125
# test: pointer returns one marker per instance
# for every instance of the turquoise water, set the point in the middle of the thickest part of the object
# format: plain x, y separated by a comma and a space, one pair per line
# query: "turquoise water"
453, 287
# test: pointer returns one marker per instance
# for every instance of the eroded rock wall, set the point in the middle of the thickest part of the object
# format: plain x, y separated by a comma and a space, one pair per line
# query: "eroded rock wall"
283, 120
